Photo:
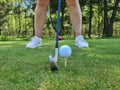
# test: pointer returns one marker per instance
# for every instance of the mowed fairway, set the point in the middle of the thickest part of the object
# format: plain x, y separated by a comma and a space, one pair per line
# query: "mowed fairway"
93, 68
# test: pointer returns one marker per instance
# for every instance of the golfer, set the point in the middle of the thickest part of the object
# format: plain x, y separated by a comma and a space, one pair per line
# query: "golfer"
40, 18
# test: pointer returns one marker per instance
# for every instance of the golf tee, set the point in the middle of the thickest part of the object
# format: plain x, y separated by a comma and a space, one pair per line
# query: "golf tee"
65, 62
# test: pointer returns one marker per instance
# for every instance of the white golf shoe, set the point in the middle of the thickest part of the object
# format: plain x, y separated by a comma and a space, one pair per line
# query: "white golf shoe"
34, 43
80, 42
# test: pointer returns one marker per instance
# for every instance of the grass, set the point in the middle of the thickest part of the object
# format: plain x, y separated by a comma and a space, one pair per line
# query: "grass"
93, 68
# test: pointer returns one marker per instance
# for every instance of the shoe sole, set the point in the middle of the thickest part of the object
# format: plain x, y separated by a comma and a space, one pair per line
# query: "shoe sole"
82, 46
39, 45
35, 46
53, 66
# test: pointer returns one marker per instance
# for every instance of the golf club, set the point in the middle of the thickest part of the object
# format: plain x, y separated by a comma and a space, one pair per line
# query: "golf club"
53, 59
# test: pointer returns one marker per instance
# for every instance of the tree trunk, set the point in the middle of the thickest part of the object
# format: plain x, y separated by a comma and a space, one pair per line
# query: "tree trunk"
62, 19
105, 18
33, 24
33, 16
90, 19
0, 30
108, 25
99, 6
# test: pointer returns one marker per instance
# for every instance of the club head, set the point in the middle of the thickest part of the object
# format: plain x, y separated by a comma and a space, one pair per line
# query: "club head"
53, 63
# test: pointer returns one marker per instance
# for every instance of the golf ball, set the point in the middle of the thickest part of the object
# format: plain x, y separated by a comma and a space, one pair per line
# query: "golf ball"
65, 51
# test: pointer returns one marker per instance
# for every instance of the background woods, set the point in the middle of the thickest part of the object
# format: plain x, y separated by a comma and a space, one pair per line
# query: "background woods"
100, 18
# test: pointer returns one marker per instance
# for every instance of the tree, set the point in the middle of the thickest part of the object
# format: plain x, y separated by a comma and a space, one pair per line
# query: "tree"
17, 18
90, 18
108, 23
4, 11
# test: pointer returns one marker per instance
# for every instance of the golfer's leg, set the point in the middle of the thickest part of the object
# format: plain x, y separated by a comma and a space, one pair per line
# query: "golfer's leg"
76, 20
40, 16
75, 15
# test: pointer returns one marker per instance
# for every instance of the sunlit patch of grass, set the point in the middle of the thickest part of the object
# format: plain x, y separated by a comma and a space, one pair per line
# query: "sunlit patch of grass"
93, 68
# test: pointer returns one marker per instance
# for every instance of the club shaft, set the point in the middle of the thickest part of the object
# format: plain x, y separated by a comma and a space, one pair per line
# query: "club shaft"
58, 23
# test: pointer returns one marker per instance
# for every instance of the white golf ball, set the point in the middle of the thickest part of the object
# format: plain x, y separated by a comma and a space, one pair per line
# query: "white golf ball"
65, 51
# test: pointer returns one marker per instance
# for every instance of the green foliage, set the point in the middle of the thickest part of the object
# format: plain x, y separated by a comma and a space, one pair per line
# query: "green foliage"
12, 38
93, 68
17, 18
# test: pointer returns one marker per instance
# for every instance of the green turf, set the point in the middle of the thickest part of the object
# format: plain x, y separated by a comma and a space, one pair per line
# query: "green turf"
93, 68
